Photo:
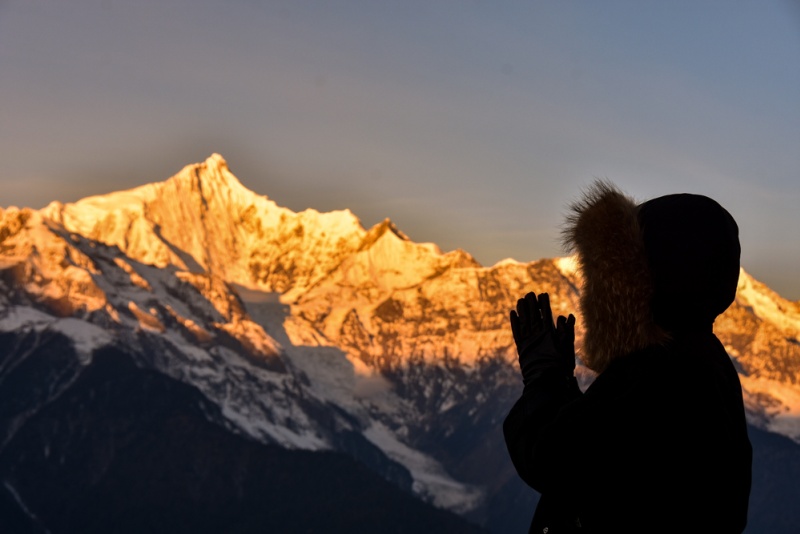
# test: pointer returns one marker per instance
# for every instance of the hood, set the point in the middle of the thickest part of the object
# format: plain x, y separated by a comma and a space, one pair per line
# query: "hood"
650, 271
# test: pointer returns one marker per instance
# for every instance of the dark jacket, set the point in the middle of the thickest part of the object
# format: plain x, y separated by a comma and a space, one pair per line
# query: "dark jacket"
658, 442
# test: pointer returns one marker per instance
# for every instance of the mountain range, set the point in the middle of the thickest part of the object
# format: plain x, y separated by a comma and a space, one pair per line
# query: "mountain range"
165, 347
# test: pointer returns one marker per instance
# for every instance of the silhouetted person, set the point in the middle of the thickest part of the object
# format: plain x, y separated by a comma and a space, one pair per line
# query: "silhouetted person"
658, 442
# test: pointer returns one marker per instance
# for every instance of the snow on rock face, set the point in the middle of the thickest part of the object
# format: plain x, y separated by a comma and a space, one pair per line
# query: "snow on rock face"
429, 477
568, 266
768, 305
438, 312
773, 405
86, 337
761, 331
204, 220
52, 269
190, 326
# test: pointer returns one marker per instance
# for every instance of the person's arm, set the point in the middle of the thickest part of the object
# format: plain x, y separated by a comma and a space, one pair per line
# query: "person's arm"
531, 421
547, 363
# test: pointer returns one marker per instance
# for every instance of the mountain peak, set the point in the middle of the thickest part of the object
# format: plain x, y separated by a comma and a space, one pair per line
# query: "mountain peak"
381, 229
387, 225
216, 166
216, 160
213, 171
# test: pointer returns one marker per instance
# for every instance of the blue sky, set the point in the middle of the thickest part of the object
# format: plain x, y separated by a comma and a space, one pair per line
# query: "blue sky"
471, 124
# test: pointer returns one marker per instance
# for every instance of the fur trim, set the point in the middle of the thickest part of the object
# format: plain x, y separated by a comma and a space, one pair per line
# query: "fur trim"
603, 229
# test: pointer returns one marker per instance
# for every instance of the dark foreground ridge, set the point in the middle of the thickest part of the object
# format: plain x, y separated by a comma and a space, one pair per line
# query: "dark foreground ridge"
126, 449
776, 484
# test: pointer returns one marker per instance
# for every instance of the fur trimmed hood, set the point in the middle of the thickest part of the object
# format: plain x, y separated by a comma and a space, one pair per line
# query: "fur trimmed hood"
650, 270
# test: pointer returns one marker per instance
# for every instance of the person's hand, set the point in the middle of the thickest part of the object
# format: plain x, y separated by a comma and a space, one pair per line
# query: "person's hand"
565, 342
541, 344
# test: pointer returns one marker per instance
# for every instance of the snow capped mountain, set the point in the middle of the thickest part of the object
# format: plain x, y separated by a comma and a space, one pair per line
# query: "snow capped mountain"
761, 331
204, 220
311, 332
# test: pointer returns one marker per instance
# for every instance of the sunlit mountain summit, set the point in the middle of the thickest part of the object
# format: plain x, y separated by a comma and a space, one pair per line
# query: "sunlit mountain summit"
307, 331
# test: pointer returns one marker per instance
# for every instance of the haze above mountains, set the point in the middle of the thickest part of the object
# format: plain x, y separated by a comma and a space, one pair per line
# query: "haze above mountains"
307, 331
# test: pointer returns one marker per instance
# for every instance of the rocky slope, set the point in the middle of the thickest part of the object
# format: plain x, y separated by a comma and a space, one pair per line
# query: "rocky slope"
127, 449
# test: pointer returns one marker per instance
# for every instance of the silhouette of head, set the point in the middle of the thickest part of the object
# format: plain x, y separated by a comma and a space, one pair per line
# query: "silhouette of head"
664, 267
692, 247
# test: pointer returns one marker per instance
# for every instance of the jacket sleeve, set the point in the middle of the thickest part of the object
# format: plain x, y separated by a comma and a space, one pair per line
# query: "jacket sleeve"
530, 428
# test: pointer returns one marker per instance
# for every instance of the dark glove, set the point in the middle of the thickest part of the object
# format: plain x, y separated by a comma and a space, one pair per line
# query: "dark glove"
565, 343
541, 345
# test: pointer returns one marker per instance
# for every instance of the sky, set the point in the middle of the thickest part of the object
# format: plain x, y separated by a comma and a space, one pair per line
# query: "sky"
471, 124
